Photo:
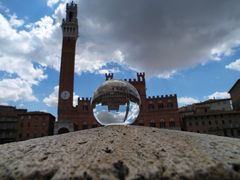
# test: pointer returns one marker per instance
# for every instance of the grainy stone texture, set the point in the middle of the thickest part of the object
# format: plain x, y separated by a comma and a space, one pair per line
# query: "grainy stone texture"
122, 152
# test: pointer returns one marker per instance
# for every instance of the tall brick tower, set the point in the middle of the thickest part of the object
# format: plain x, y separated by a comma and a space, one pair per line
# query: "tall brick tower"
66, 82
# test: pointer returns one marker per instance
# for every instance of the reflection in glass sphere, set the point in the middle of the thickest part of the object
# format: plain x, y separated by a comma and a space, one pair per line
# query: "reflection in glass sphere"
116, 102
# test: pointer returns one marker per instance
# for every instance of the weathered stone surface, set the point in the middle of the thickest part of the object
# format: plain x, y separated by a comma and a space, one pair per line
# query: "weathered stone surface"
122, 152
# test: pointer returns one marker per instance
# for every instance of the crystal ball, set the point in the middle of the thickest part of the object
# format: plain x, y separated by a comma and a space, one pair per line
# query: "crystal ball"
116, 102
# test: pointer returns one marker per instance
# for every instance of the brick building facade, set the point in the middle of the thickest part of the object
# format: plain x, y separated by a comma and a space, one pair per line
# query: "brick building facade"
214, 116
19, 124
219, 123
34, 124
159, 111
8, 123
235, 95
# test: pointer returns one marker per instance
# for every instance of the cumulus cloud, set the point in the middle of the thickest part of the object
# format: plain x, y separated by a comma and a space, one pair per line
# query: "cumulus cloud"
187, 100
52, 99
25, 54
234, 65
15, 22
158, 36
167, 74
219, 95
15, 90
51, 3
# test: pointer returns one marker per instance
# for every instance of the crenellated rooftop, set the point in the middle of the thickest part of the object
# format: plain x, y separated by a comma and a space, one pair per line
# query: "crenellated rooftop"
161, 97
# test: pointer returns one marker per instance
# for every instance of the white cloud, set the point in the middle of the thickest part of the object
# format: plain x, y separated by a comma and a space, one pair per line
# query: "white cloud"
15, 22
155, 39
234, 65
187, 100
15, 90
24, 69
150, 37
52, 99
166, 74
218, 95
51, 3
25, 53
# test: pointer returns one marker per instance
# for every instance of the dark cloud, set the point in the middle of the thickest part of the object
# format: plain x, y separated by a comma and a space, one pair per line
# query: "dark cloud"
158, 35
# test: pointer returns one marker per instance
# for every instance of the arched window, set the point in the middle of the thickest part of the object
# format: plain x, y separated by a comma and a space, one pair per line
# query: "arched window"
172, 123
152, 123
162, 123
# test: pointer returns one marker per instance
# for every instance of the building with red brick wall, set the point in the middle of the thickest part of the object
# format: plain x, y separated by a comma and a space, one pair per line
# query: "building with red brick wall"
35, 124
156, 111
8, 123
225, 123
214, 116
159, 111
235, 95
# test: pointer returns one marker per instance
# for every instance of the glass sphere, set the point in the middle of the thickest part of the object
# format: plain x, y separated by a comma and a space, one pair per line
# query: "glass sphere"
116, 102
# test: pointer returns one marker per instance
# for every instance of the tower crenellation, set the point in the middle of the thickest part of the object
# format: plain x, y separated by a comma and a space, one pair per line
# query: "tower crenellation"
108, 76
168, 96
141, 76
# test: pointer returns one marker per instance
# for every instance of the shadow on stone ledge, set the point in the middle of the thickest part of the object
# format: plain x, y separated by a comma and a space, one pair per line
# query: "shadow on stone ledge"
122, 152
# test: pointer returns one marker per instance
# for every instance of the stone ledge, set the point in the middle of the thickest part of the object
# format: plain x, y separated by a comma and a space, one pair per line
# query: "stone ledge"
122, 152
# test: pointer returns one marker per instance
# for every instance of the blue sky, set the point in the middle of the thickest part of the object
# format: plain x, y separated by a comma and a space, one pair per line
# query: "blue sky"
182, 50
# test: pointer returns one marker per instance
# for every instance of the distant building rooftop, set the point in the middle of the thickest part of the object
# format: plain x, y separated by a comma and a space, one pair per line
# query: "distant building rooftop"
238, 81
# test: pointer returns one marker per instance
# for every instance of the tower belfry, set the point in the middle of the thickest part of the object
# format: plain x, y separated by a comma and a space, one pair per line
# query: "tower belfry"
70, 23
66, 81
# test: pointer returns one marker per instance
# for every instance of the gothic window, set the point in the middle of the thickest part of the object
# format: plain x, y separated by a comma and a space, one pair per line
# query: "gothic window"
170, 105
85, 126
162, 124
172, 124
151, 106
152, 123
225, 132
70, 16
85, 107
160, 106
